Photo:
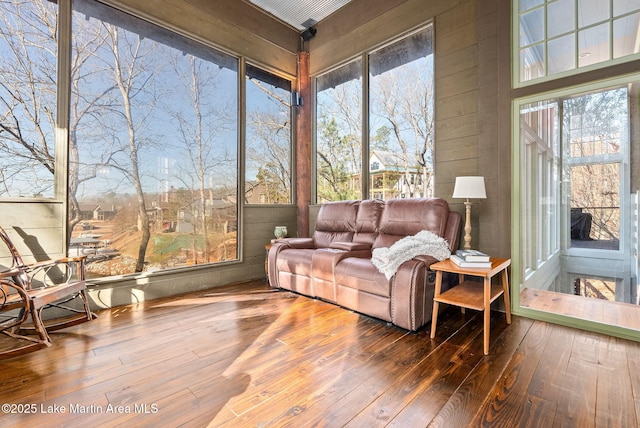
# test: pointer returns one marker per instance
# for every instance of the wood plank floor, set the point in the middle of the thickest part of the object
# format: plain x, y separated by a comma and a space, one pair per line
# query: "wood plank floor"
246, 355
619, 314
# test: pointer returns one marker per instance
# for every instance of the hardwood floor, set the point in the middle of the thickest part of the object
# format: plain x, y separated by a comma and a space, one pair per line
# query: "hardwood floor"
245, 355
619, 314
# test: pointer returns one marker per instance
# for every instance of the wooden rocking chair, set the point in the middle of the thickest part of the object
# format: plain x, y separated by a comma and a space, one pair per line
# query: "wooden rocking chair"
48, 284
15, 310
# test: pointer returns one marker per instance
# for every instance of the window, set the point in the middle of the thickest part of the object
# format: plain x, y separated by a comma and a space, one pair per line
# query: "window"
540, 179
28, 48
268, 139
596, 129
153, 146
575, 201
399, 132
401, 116
575, 181
339, 133
559, 37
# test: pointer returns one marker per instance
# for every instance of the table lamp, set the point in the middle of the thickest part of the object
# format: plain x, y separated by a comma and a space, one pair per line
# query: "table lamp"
469, 188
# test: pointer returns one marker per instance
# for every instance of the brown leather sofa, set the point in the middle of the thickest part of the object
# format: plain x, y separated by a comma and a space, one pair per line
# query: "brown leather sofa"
335, 263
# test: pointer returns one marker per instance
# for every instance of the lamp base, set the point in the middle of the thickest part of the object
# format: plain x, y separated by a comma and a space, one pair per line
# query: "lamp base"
467, 226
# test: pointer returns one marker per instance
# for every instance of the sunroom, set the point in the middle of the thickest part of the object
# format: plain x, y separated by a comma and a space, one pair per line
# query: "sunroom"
168, 150
167, 140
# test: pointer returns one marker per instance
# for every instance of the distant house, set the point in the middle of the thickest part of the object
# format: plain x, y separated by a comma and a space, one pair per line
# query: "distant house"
391, 178
219, 212
95, 212
265, 192
255, 192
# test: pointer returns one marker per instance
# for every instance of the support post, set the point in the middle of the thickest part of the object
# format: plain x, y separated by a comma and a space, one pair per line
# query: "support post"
303, 146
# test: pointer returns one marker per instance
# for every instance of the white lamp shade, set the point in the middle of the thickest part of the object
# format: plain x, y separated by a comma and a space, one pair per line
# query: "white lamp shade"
470, 188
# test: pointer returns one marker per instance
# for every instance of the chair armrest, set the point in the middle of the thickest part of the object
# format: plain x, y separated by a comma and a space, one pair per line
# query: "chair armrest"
10, 273
452, 231
71, 259
49, 263
48, 273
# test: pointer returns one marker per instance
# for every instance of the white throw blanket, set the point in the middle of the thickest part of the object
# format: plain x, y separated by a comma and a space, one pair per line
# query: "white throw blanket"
387, 260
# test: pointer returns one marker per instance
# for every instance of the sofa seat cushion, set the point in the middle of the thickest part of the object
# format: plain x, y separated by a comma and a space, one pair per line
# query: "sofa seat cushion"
296, 261
361, 274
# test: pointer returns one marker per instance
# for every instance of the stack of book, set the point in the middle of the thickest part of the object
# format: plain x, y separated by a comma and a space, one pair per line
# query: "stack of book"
471, 259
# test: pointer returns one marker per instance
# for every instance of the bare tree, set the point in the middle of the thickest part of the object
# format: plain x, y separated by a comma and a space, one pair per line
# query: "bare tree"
28, 82
111, 69
85, 106
27, 97
339, 146
269, 149
198, 131
131, 73
403, 100
593, 131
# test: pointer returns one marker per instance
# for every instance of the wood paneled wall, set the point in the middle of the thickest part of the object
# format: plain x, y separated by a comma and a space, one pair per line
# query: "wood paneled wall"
35, 227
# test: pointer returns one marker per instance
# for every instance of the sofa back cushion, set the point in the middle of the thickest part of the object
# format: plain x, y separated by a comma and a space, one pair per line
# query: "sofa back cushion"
405, 217
336, 223
368, 220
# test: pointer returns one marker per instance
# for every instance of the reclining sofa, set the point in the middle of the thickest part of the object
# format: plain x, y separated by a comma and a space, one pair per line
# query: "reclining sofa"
335, 264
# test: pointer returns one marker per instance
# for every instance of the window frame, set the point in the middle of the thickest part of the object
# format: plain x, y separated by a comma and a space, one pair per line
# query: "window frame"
58, 180
363, 122
365, 148
63, 97
517, 81
519, 271
195, 201
245, 64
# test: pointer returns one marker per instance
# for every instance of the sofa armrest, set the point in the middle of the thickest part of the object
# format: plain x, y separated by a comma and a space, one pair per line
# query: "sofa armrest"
412, 294
361, 250
452, 232
427, 260
350, 246
279, 245
295, 242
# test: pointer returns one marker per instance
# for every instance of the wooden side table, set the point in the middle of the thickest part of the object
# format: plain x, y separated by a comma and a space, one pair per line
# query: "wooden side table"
470, 294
